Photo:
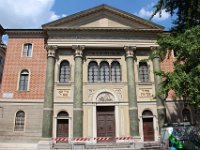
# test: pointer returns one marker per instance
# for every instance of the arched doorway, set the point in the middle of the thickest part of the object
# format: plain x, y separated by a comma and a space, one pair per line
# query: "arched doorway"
148, 128
63, 124
106, 115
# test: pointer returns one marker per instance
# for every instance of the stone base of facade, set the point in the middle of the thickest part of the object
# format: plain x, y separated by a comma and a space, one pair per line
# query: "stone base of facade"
18, 146
45, 144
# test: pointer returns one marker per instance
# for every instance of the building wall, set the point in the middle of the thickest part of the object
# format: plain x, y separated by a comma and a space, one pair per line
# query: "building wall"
15, 63
31, 101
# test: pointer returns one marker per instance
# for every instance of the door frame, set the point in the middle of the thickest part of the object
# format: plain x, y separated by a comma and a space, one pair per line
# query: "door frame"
106, 113
112, 103
55, 125
116, 111
154, 124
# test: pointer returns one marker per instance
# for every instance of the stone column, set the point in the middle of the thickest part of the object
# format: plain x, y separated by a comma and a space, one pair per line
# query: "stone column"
159, 99
132, 97
78, 92
49, 90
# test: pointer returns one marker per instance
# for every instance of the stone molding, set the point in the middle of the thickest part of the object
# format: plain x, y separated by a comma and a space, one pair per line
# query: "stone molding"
51, 50
78, 50
130, 51
154, 51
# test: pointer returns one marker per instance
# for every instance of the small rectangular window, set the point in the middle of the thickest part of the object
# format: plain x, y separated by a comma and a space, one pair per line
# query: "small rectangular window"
27, 50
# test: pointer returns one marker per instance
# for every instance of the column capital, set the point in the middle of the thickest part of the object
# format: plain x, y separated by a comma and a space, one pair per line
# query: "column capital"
154, 50
51, 50
78, 50
130, 50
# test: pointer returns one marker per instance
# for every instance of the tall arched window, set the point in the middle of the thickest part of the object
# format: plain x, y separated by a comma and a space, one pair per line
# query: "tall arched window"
64, 75
93, 72
27, 50
143, 72
23, 81
19, 121
115, 72
186, 115
104, 72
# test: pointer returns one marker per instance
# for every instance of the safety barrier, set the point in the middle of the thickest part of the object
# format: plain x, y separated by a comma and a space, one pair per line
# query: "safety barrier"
64, 139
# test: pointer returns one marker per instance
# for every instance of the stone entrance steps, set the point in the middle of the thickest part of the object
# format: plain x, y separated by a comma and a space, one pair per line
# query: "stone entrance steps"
109, 146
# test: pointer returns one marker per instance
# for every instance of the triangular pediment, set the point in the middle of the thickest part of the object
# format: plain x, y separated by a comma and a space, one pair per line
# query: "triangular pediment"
102, 16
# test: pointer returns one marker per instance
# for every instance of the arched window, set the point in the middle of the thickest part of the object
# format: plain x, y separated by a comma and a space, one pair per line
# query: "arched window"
186, 115
143, 72
64, 75
19, 121
115, 72
104, 72
93, 72
27, 50
23, 81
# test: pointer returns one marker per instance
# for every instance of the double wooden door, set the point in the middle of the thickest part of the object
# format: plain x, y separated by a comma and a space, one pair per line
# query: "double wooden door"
105, 121
62, 127
148, 129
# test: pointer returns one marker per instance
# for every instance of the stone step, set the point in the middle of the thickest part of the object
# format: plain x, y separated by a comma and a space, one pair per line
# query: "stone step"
108, 146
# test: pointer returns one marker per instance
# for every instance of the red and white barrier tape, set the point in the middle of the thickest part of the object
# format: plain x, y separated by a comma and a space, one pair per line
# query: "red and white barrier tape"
95, 139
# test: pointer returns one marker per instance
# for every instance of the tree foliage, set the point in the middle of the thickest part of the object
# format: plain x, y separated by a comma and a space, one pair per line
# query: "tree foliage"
187, 12
185, 80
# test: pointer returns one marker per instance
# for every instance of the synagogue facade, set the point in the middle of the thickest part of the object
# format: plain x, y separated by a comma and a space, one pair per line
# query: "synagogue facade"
86, 75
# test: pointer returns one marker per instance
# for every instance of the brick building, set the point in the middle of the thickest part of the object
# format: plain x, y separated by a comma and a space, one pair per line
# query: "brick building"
85, 75
2, 52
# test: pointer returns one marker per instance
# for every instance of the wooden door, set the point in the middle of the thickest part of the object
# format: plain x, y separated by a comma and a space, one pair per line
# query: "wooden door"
105, 121
62, 127
148, 129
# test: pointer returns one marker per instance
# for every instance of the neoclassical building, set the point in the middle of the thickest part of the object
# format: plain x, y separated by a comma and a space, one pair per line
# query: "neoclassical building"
85, 75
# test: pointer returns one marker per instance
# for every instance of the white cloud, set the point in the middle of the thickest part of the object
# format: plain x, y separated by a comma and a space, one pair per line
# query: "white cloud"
26, 13
145, 13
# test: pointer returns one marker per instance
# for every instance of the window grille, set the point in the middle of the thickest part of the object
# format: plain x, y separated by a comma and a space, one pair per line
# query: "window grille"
104, 72
23, 82
19, 121
143, 72
64, 75
93, 72
115, 72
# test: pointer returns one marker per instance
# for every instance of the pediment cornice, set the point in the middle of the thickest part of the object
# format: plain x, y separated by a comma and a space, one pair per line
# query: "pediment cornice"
102, 8
102, 29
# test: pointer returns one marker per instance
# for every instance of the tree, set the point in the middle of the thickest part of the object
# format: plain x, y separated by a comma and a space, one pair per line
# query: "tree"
185, 80
184, 38
187, 12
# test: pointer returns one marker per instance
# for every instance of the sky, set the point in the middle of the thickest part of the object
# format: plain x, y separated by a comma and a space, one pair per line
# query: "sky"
20, 14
